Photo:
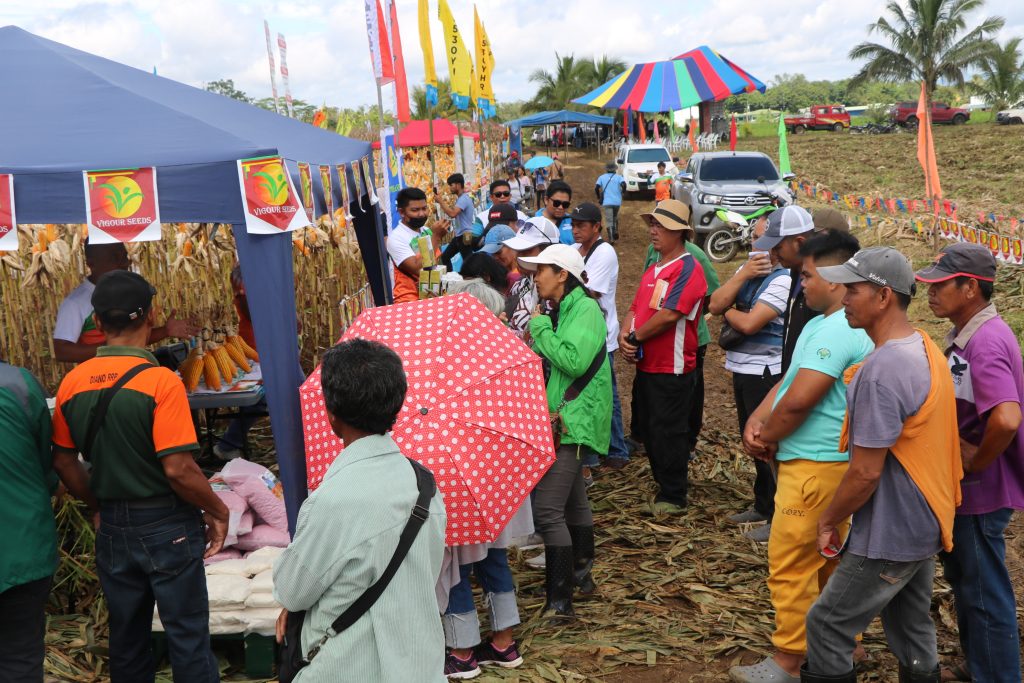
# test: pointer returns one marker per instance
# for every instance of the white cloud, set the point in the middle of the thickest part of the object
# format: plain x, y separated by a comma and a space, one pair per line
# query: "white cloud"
196, 41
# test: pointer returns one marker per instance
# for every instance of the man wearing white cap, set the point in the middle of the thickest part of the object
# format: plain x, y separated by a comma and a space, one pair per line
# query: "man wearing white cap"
536, 234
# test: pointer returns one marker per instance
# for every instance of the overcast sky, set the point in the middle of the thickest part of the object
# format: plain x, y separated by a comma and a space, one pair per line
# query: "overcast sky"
196, 41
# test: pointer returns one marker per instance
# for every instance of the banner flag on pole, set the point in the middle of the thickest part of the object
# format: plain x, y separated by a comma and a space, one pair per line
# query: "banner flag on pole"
380, 48
482, 72
402, 112
284, 74
8, 219
273, 70
732, 134
391, 158
783, 146
430, 74
489, 85
693, 135
122, 205
926, 149
460, 64
268, 196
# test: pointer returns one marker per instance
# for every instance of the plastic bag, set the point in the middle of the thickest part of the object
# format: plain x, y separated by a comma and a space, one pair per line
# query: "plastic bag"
261, 536
226, 555
261, 490
227, 591
261, 560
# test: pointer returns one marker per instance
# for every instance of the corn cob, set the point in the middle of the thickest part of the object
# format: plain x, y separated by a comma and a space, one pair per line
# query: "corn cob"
237, 356
248, 351
224, 364
191, 370
210, 371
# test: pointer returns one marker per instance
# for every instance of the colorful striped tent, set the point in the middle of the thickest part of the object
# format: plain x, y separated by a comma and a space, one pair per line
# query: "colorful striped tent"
700, 75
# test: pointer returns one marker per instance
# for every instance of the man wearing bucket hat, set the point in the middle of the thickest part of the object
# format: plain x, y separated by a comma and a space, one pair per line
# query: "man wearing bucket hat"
988, 377
536, 234
608, 188
659, 334
902, 486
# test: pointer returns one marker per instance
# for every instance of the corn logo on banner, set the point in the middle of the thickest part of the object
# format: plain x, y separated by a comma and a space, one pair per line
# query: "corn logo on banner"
325, 182
343, 193
121, 205
270, 201
358, 180
364, 163
8, 219
460, 64
306, 189
391, 158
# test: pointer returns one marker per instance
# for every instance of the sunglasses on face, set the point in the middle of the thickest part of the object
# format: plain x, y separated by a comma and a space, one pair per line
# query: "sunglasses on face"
558, 204
502, 194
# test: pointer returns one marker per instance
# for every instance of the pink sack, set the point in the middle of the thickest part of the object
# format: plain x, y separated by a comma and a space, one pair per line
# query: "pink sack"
236, 506
261, 536
261, 490
228, 554
246, 523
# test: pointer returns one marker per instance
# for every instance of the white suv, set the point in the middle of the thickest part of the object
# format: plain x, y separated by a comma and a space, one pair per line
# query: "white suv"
1012, 115
638, 163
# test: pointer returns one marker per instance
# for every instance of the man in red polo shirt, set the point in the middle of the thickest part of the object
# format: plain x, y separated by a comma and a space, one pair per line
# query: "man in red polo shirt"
659, 334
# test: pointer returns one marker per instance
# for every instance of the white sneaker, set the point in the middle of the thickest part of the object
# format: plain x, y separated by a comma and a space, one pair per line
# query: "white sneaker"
527, 542
538, 562
226, 452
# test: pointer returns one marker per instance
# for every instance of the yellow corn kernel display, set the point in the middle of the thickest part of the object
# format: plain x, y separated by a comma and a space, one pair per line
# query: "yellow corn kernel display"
210, 371
237, 356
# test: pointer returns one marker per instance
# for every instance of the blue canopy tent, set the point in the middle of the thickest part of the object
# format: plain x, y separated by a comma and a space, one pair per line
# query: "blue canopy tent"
67, 111
545, 118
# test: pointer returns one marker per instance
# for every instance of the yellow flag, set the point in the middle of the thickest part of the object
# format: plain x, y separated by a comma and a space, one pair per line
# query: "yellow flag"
488, 92
460, 64
481, 72
430, 75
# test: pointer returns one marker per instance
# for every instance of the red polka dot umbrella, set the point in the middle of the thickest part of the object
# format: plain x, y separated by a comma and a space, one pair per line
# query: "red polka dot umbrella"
476, 412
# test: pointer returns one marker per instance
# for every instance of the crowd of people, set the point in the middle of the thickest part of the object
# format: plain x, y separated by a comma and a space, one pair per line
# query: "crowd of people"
875, 450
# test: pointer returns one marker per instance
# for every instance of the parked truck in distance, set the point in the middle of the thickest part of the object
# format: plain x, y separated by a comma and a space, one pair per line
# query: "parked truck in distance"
819, 117
905, 114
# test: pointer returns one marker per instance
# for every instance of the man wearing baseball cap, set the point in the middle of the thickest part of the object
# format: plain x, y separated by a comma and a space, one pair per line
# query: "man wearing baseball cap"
660, 335
902, 486
150, 494
602, 265
536, 234
988, 377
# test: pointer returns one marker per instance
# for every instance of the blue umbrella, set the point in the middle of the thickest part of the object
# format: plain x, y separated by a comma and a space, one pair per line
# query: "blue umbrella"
538, 162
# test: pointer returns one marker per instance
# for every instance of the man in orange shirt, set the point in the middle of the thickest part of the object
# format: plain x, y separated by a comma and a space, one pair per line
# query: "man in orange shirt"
130, 418
662, 184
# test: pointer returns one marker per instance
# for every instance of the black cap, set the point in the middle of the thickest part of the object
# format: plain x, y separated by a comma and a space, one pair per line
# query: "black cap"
610, 166
122, 297
961, 259
501, 214
586, 211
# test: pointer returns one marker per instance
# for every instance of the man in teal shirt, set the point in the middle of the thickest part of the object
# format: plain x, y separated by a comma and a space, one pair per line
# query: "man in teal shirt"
696, 418
26, 517
798, 426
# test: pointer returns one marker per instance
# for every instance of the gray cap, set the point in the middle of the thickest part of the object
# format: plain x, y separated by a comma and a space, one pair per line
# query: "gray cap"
882, 266
782, 223
961, 259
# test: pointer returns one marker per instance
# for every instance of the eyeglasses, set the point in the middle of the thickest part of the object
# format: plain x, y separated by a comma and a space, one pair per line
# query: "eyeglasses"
502, 194
558, 204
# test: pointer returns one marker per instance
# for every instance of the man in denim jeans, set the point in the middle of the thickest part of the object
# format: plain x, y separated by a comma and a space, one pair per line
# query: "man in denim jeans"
988, 375
151, 538
902, 486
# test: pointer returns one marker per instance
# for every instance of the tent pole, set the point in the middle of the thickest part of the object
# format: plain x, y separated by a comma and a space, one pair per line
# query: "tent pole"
433, 163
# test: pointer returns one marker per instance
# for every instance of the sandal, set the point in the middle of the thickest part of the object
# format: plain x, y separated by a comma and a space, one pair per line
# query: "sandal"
957, 672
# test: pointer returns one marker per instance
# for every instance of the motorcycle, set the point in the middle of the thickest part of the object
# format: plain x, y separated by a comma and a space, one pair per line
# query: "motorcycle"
722, 244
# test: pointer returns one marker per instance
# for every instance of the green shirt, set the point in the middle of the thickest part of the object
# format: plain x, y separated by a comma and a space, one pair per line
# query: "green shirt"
27, 531
571, 349
346, 534
147, 419
710, 276
827, 345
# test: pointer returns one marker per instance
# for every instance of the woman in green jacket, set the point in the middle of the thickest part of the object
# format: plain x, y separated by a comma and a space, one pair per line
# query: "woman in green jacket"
572, 339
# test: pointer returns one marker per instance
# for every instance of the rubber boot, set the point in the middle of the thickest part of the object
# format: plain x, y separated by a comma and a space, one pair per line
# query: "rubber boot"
583, 558
907, 675
808, 677
558, 581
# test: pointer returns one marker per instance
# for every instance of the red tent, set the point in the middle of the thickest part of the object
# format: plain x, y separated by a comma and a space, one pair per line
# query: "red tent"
417, 134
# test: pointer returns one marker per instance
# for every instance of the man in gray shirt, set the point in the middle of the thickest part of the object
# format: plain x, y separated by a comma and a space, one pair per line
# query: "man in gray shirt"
461, 213
901, 487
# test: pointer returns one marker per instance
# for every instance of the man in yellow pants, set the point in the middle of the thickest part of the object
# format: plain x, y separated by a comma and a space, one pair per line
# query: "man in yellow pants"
798, 424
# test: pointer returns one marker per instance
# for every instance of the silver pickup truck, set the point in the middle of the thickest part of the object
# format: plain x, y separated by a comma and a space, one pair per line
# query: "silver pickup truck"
737, 181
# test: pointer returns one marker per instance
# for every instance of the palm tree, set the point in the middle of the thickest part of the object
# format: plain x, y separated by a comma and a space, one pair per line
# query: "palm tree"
1002, 76
927, 43
555, 90
600, 71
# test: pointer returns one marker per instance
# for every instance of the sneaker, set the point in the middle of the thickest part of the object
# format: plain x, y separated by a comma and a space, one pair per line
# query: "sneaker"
539, 562
765, 671
459, 669
760, 534
530, 542
616, 463
227, 452
588, 478
486, 654
747, 517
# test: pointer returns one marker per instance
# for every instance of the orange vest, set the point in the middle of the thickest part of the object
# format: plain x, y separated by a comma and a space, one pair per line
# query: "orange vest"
929, 445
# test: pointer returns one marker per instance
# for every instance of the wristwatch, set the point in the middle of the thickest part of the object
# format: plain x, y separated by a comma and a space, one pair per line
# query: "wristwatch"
632, 340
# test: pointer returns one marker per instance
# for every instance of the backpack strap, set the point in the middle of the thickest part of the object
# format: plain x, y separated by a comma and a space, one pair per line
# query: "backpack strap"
106, 396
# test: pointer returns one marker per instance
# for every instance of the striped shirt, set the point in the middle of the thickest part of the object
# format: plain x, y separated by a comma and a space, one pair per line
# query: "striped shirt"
347, 532
763, 348
678, 285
